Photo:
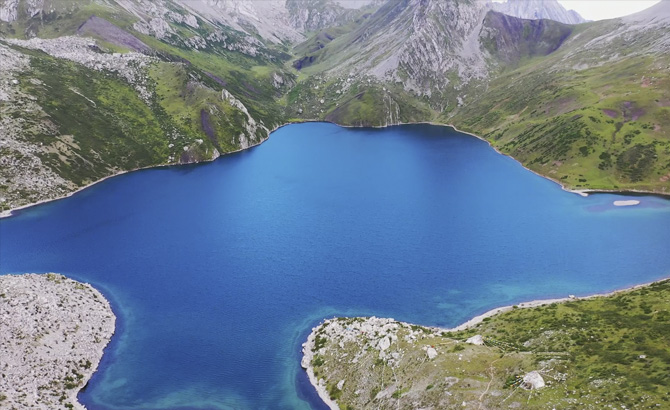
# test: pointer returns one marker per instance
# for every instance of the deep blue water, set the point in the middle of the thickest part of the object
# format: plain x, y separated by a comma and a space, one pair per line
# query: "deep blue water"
218, 271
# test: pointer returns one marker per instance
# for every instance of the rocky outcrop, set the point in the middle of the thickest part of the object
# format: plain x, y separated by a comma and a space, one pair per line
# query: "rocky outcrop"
53, 331
252, 129
10, 9
374, 363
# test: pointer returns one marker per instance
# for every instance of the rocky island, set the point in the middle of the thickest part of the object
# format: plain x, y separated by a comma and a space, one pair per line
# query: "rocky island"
53, 331
591, 353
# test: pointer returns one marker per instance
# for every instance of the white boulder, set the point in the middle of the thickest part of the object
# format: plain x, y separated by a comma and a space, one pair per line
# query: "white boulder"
476, 340
533, 380
384, 343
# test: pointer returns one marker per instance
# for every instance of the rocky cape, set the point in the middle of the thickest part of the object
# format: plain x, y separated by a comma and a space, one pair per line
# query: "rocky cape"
52, 336
502, 358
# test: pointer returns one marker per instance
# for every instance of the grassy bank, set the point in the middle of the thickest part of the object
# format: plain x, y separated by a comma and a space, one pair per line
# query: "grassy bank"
603, 352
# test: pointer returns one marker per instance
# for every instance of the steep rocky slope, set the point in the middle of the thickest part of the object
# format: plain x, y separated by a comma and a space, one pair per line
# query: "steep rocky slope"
119, 85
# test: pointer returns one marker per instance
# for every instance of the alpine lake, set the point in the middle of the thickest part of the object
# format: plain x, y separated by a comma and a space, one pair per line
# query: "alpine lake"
218, 271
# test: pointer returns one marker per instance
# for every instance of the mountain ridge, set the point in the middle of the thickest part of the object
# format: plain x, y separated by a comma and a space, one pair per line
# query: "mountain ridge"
538, 9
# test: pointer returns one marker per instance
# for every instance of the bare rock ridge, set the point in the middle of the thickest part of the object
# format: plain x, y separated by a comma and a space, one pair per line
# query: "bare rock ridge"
53, 331
538, 9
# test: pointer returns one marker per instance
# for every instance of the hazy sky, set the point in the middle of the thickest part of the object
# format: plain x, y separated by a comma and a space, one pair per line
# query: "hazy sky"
606, 9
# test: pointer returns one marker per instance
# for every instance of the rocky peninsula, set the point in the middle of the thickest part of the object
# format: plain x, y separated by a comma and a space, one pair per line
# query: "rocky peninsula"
599, 352
53, 331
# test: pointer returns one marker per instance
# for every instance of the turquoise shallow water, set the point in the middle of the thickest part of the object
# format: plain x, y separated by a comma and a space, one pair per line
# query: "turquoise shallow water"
218, 271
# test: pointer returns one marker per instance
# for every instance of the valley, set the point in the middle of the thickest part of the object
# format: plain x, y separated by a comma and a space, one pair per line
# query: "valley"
368, 200
92, 89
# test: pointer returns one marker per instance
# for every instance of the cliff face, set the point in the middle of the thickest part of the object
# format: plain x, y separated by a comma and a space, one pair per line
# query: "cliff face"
12, 10
538, 9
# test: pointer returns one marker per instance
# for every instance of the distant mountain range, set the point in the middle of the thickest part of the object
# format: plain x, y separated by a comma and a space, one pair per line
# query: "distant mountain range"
97, 87
538, 9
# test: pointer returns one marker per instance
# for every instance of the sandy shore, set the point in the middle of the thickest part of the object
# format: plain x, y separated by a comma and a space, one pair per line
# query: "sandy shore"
581, 192
53, 331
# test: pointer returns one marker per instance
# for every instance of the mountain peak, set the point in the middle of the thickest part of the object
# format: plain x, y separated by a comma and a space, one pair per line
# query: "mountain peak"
538, 9
657, 13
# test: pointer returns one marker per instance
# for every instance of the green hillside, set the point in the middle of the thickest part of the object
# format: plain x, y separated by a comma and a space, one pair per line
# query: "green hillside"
603, 352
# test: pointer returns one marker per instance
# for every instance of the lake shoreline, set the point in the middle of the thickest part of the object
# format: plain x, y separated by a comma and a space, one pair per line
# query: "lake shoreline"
543, 302
581, 192
308, 346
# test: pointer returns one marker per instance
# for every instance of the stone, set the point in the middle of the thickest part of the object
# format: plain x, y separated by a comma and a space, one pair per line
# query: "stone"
533, 380
477, 340
384, 343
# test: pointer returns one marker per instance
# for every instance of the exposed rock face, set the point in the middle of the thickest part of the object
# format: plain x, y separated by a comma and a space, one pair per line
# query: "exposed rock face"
269, 18
252, 128
10, 9
538, 9
646, 31
657, 14
428, 45
52, 334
